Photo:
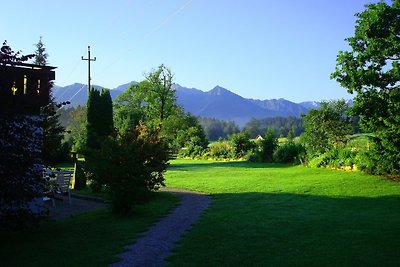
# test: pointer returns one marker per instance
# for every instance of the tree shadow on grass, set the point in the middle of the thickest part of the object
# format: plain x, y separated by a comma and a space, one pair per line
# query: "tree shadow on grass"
263, 229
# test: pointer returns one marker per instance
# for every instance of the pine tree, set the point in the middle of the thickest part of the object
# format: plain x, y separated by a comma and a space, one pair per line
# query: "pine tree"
53, 132
40, 54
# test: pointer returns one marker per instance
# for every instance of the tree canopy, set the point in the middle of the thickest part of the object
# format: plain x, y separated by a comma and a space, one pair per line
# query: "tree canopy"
326, 128
153, 102
128, 109
371, 70
158, 95
281, 125
216, 129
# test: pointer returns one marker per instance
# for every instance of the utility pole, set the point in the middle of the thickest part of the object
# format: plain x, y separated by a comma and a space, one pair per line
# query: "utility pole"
89, 59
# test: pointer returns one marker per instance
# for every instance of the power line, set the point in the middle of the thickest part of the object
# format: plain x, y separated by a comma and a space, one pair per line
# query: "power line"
70, 99
155, 29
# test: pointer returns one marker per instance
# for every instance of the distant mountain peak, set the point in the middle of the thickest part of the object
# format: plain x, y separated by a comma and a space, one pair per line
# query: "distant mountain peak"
177, 86
218, 90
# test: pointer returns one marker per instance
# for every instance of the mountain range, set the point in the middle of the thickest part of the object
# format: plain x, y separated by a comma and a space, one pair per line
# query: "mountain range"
219, 103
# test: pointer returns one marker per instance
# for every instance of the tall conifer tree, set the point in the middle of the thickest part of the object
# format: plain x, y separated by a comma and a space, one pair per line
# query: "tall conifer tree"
53, 132
99, 117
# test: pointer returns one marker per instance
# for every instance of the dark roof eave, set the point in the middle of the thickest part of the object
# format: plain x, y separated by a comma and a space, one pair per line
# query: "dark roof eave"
27, 65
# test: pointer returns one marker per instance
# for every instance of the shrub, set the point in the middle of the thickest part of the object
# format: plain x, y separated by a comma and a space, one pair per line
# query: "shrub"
337, 158
266, 147
241, 145
220, 150
326, 128
289, 152
378, 159
130, 165
194, 148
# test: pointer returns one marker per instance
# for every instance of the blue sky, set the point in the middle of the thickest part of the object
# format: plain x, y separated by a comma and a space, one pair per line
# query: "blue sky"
256, 48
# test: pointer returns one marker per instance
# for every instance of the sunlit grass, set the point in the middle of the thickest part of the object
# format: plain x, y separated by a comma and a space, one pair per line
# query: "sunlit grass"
279, 215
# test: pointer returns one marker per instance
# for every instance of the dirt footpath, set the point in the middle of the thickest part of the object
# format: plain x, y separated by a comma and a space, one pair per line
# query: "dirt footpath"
158, 242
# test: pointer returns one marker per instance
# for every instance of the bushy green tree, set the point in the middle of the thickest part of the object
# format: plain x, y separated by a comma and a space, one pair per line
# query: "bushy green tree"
190, 139
130, 165
291, 136
221, 150
241, 144
128, 108
75, 120
371, 70
289, 152
266, 146
326, 128
158, 96
153, 102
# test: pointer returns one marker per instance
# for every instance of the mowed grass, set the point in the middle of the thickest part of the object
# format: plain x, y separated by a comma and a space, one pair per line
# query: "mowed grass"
90, 239
279, 215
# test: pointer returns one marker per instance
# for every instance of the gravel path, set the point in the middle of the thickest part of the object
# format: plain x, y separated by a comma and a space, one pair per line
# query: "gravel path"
63, 210
158, 242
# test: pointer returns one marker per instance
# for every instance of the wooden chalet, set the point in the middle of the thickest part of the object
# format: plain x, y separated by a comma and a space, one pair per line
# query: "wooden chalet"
24, 88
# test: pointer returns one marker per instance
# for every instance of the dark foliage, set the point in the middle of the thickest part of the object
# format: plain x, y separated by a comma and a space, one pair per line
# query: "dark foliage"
241, 145
21, 140
7, 55
80, 176
128, 108
99, 118
289, 152
21, 176
372, 70
326, 128
281, 126
130, 166
221, 150
216, 129
266, 147
53, 133
74, 120
190, 140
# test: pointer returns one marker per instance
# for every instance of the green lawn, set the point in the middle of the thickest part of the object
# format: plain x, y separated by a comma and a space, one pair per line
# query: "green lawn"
90, 239
278, 215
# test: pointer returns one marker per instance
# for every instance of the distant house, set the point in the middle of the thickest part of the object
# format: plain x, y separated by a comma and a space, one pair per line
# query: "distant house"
259, 137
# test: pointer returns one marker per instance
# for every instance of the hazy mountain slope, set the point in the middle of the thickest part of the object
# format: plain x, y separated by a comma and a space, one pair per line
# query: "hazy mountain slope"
282, 106
219, 103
